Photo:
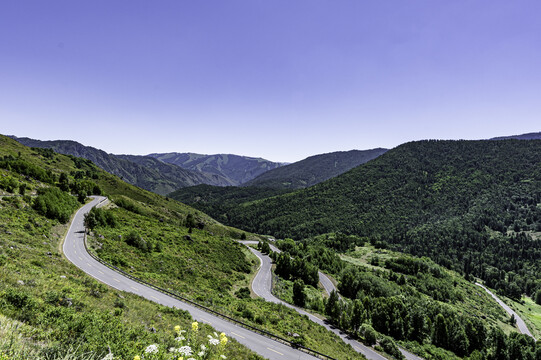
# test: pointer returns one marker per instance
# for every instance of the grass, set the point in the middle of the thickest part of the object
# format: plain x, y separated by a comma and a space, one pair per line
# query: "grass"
36, 283
208, 269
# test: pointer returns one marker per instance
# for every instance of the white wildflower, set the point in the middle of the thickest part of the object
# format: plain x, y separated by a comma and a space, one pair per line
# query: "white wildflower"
223, 357
185, 350
108, 357
203, 347
152, 349
180, 338
201, 354
213, 341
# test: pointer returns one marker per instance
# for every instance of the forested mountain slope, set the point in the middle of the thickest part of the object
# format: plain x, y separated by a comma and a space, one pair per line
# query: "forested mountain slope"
238, 169
473, 206
218, 201
314, 169
147, 173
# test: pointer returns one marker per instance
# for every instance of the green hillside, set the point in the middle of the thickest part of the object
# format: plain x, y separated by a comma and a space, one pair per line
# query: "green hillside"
313, 169
473, 206
63, 313
218, 201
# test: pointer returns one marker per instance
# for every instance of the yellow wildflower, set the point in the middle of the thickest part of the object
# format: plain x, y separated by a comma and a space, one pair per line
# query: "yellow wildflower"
223, 340
195, 326
137, 357
222, 335
177, 328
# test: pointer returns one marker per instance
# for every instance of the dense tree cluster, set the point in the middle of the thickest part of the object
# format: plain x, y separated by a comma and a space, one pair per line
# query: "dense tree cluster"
55, 204
404, 316
295, 268
99, 217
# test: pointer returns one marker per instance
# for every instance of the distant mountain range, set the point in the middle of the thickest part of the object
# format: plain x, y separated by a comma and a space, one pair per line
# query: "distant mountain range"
145, 172
237, 169
314, 169
529, 136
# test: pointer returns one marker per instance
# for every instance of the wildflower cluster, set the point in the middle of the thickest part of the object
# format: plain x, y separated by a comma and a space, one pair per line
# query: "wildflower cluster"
187, 347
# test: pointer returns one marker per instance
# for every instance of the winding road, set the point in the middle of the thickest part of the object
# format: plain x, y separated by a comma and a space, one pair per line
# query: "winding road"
75, 251
520, 323
262, 286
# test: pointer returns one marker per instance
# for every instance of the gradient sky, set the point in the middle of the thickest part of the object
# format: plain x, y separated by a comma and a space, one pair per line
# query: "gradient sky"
281, 80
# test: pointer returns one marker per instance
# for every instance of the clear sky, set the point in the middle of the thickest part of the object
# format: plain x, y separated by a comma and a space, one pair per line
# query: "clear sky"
276, 79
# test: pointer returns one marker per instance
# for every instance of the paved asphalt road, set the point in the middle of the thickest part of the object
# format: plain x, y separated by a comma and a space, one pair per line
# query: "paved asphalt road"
75, 251
325, 281
262, 285
520, 323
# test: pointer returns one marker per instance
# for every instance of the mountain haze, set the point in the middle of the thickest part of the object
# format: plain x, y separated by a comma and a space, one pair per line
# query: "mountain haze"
238, 169
145, 172
314, 169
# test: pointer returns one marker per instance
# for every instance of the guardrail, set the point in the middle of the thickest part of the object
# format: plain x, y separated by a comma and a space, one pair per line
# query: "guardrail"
202, 307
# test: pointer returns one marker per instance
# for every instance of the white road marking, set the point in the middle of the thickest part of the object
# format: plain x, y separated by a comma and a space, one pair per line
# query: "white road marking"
275, 351
242, 337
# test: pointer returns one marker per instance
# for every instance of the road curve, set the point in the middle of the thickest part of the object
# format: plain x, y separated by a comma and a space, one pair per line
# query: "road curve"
262, 285
325, 281
520, 323
75, 251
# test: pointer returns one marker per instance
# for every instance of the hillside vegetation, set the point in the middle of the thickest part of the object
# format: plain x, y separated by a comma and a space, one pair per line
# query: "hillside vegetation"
218, 202
427, 308
64, 311
472, 206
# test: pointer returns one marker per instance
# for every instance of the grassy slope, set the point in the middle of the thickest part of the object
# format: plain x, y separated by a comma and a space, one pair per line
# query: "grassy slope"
36, 283
199, 269
122, 321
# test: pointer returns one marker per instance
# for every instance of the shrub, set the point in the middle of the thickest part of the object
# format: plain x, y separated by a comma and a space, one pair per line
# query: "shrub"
55, 204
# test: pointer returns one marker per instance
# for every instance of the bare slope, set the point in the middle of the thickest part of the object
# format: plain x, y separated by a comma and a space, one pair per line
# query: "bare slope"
238, 169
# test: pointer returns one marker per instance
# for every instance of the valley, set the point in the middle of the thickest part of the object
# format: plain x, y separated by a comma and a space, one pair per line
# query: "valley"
391, 300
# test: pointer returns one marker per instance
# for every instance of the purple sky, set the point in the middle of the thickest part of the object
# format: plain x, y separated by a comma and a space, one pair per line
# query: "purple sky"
281, 80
